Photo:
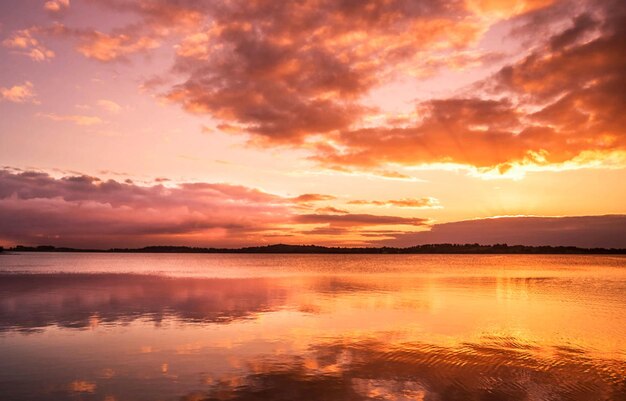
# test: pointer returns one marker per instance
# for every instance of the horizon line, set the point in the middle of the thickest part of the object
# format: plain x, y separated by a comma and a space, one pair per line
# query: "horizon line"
435, 248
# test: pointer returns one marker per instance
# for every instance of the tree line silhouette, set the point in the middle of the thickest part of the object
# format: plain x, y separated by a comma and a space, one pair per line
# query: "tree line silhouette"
317, 249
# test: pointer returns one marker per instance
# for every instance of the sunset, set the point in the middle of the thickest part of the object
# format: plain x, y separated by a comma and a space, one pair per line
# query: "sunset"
230, 133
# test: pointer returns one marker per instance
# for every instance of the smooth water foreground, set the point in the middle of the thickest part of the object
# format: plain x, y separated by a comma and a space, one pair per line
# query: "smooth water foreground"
115, 327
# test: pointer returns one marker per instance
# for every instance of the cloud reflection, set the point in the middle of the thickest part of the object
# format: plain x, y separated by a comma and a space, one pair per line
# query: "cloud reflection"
80, 301
497, 368
32, 302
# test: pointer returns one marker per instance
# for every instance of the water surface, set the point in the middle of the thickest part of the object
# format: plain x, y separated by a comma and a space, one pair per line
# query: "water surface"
117, 327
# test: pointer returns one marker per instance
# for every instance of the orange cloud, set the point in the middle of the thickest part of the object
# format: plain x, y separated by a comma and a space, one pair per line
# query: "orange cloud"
160, 19
19, 93
299, 73
332, 210
105, 47
286, 71
109, 106
466, 131
352, 220
427, 202
162, 14
305, 198
557, 106
24, 42
56, 6
506, 8
74, 118
82, 386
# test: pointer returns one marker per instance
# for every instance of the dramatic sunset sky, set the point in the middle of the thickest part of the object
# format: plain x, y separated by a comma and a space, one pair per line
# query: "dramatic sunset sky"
333, 122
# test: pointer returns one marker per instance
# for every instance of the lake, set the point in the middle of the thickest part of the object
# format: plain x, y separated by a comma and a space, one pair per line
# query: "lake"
192, 327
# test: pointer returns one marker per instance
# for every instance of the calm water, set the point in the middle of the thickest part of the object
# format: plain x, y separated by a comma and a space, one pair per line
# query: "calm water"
312, 327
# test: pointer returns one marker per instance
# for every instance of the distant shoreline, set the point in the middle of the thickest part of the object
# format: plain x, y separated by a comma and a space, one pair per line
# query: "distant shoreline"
315, 249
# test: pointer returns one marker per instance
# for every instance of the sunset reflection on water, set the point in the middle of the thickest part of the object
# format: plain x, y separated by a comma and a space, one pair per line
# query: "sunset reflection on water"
312, 327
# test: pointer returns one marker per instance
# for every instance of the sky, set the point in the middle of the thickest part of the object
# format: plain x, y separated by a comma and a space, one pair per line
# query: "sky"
333, 122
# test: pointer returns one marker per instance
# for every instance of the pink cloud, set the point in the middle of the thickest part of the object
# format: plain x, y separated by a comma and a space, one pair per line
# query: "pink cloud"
86, 211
